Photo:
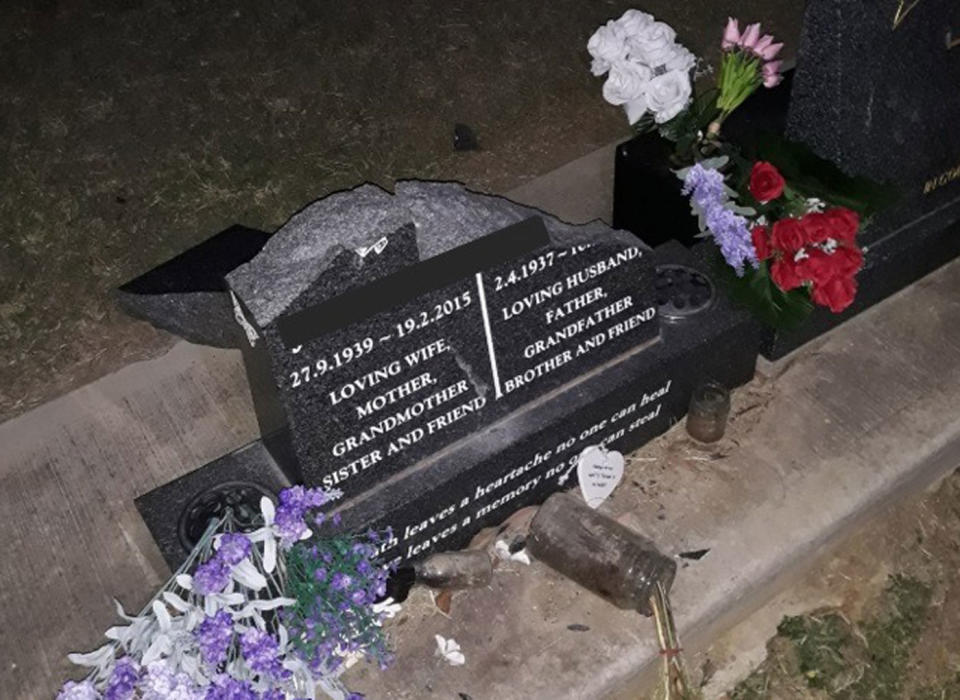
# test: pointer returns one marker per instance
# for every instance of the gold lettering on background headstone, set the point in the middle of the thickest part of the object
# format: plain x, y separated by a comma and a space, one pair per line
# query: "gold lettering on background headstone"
944, 178
903, 9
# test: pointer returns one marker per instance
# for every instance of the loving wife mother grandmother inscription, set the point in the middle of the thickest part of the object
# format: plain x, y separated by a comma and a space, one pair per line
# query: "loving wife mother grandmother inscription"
406, 363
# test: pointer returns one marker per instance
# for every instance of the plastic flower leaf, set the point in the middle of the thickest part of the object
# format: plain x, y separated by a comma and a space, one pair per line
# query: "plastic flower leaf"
176, 602
449, 650
162, 615
715, 163
245, 574
269, 555
271, 604
268, 510
159, 648
387, 607
121, 612
185, 581
260, 534
94, 659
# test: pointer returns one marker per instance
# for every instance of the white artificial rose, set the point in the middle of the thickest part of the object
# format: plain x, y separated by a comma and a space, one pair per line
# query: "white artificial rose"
626, 82
682, 59
634, 21
598, 66
635, 109
653, 44
668, 94
607, 46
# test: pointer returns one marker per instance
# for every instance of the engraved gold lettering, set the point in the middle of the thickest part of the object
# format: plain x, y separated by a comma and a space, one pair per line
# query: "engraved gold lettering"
904, 8
944, 178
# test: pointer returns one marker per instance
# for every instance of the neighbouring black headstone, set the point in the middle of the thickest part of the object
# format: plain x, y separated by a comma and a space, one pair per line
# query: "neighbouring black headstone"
385, 327
188, 296
875, 91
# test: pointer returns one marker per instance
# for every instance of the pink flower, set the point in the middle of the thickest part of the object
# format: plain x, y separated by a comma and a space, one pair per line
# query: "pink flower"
750, 36
731, 35
771, 74
768, 53
762, 43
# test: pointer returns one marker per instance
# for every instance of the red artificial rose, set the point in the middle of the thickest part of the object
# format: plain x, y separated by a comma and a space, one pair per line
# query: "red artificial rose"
816, 228
847, 260
817, 266
761, 242
783, 272
787, 235
843, 223
766, 182
837, 294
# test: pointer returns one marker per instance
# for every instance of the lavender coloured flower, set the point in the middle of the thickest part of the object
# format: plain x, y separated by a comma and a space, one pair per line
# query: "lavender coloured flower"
212, 576
214, 636
261, 652
224, 687
74, 690
160, 683
729, 230
234, 548
340, 581
123, 680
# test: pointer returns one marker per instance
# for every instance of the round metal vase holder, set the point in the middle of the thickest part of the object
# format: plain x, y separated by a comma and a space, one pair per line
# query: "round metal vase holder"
682, 292
242, 497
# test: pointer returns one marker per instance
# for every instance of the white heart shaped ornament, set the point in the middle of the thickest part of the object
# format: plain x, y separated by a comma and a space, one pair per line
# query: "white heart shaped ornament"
599, 471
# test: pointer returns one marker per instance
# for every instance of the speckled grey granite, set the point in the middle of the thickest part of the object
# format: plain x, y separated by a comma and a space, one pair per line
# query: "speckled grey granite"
882, 100
447, 215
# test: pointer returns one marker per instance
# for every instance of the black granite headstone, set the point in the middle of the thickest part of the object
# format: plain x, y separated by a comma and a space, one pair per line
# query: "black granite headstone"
876, 92
423, 317
187, 295
441, 502
443, 499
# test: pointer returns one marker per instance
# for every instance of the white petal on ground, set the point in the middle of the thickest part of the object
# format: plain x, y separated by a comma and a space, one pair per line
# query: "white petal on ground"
450, 651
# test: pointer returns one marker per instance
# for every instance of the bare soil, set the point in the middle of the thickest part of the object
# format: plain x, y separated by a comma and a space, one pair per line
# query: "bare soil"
132, 130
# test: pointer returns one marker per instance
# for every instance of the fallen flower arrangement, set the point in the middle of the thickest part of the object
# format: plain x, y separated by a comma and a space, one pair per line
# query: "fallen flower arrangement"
265, 615
784, 221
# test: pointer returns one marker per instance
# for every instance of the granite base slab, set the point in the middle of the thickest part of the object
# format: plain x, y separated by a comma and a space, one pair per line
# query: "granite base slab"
165, 509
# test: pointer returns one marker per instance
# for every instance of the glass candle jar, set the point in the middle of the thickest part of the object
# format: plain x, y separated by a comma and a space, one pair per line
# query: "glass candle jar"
709, 409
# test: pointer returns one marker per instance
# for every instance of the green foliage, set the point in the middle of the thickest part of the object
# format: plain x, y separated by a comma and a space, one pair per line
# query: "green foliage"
757, 292
813, 176
335, 581
820, 642
827, 652
685, 128
740, 76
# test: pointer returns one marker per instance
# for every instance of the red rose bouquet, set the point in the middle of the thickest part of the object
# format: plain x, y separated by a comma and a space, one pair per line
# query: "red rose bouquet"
815, 252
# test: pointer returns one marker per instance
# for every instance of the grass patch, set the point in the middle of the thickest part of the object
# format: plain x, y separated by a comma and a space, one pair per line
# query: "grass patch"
826, 652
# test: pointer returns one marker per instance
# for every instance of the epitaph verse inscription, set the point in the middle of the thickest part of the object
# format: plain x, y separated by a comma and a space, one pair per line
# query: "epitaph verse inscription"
524, 475
382, 391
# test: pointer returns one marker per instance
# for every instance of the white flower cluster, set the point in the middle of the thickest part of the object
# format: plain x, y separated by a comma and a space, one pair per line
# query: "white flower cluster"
648, 70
